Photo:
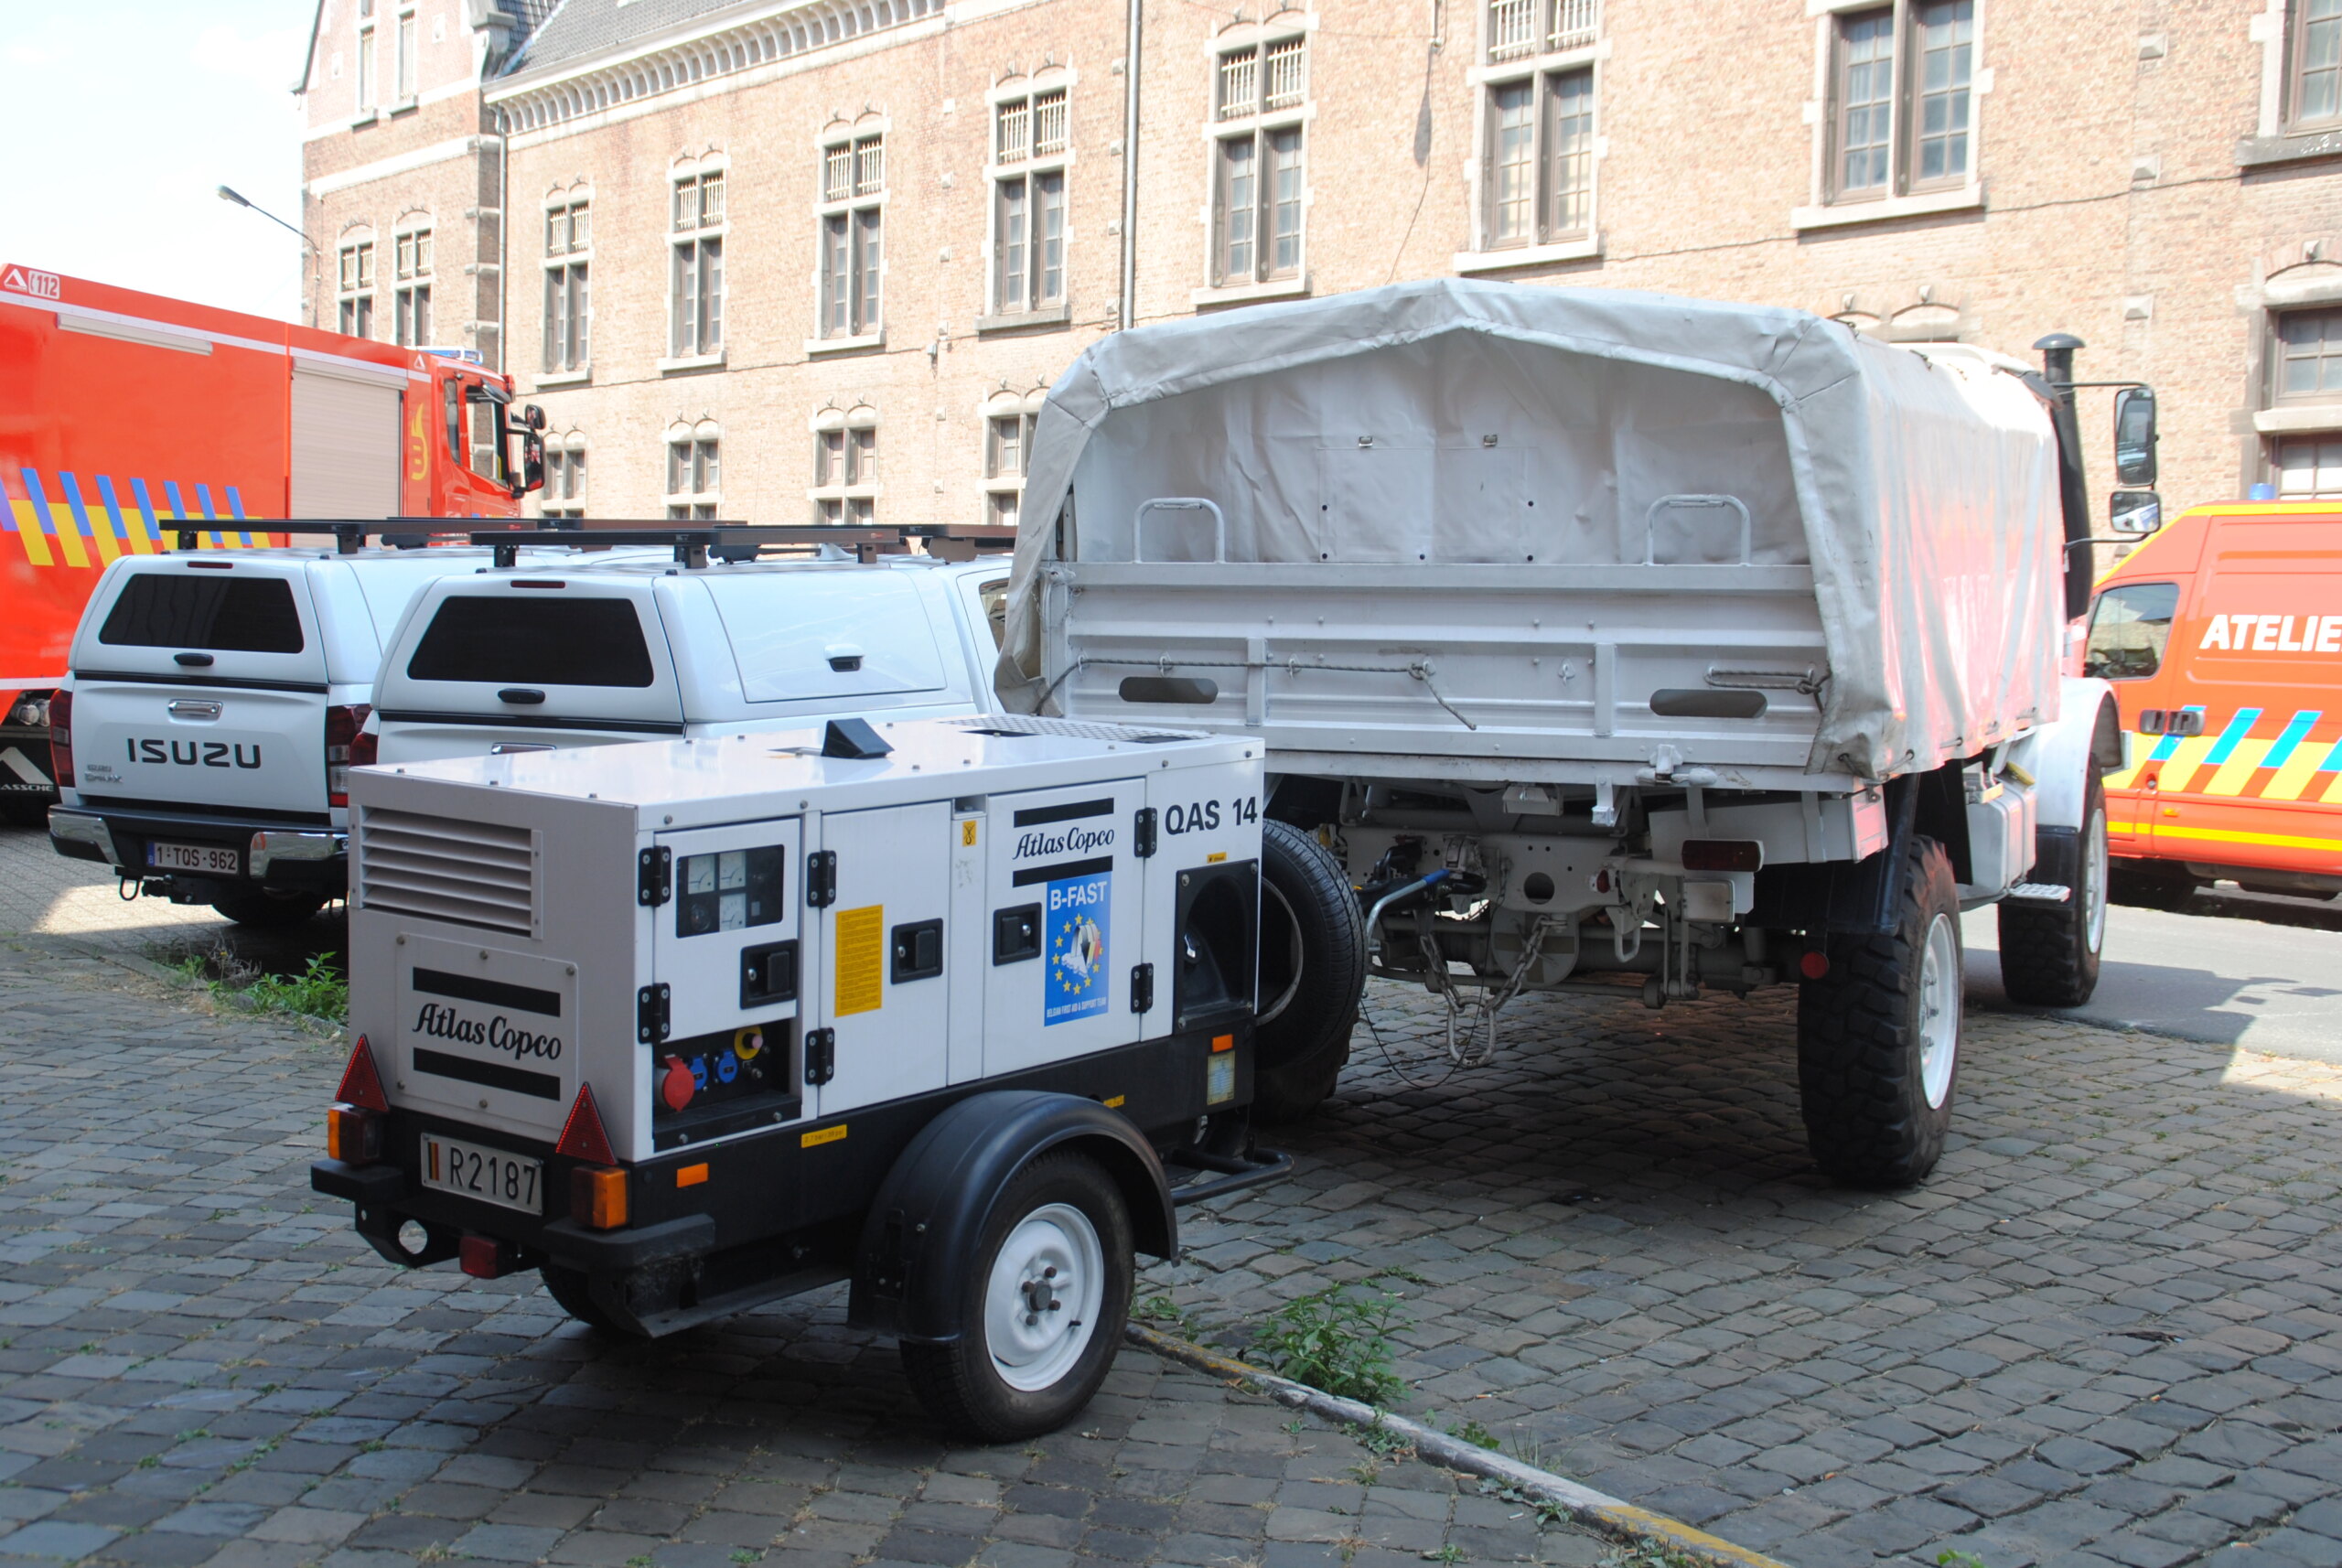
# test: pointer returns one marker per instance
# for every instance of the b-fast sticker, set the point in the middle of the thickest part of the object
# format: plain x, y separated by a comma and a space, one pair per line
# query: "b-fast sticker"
1077, 917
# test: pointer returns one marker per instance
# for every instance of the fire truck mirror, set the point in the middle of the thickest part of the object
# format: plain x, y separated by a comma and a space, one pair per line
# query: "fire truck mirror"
2134, 436
2136, 512
533, 416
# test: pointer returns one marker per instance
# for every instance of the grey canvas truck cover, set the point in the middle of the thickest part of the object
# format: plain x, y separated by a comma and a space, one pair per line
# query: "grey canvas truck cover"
1461, 452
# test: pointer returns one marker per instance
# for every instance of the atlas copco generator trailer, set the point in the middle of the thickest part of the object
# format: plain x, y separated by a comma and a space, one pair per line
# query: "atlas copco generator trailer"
128, 418
688, 1025
1600, 641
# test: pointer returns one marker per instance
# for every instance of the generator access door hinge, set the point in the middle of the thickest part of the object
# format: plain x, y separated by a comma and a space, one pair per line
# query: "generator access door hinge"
1143, 834
650, 1012
820, 1056
1142, 987
821, 878
654, 881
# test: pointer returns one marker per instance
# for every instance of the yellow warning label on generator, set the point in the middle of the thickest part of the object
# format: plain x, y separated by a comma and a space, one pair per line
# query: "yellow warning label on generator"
861, 956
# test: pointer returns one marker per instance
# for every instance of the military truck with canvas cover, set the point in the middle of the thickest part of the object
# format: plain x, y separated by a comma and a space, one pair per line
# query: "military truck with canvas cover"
1596, 639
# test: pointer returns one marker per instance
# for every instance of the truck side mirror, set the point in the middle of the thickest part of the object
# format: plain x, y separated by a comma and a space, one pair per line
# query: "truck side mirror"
532, 461
2136, 512
2134, 436
533, 416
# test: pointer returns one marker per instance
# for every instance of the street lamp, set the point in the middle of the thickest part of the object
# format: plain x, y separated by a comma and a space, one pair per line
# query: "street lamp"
228, 195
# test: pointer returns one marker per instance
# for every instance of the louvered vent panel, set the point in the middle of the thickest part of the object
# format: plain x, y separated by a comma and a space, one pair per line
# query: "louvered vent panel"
473, 874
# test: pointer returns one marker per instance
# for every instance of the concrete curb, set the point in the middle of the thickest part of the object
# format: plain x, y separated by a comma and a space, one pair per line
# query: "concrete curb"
1620, 1521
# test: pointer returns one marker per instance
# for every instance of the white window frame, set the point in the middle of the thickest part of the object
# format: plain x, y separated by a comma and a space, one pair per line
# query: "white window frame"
370, 82
855, 206
1265, 282
691, 502
1003, 486
1567, 36
357, 262
406, 57
1825, 207
699, 352
566, 476
1004, 169
846, 489
558, 267
409, 282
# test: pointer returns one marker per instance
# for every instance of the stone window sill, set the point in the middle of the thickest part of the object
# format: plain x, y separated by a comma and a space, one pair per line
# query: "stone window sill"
1529, 255
578, 377
2300, 418
1050, 316
860, 340
683, 363
1246, 293
1841, 214
2261, 152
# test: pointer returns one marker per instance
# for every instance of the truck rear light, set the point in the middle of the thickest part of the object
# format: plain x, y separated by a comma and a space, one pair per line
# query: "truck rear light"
361, 1086
597, 1197
60, 738
485, 1257
353, 1136
1813, 963
348, 745
1723, 854
582, 1137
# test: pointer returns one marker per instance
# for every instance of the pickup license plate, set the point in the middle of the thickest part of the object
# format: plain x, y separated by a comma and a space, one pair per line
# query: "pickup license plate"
509, 1181
208, 858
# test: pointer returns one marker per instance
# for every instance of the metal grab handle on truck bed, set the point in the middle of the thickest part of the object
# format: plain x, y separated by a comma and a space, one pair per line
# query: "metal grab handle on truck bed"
1650, 519
1180, 503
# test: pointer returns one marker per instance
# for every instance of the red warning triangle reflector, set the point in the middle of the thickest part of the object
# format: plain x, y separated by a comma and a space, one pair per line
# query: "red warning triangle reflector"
582, 1137
361, 1085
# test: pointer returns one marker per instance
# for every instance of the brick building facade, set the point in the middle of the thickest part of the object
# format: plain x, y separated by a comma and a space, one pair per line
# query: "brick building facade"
778, 260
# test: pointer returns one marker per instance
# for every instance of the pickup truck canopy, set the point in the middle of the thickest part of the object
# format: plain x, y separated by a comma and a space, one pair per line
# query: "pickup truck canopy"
1454, 421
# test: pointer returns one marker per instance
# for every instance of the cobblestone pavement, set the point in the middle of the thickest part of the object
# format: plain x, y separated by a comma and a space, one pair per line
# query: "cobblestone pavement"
199, 1363
2106, 1332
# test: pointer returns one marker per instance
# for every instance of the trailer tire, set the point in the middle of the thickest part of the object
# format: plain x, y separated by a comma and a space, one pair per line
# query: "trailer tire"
2050, 955
270, 909
1879, 1036
1059, 1229
1313, 970
572, 1296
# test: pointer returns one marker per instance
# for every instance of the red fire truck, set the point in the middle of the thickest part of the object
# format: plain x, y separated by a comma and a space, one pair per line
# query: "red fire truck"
129, 420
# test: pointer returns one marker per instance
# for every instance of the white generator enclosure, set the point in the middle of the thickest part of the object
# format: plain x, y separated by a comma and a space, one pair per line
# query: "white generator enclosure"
1595, 633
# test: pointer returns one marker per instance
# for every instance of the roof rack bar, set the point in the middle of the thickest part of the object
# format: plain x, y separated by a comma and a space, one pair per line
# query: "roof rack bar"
693, 543
349, 534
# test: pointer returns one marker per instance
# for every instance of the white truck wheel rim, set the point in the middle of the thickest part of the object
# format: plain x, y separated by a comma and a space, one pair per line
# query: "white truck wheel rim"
1041, 1303
2093, 888
1939, 1010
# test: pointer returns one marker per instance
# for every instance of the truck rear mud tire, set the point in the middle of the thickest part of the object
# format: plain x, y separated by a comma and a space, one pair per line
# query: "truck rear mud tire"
1878, 1037
570, 1292
269, 909
1043, 1309
1313, 970
2050, 953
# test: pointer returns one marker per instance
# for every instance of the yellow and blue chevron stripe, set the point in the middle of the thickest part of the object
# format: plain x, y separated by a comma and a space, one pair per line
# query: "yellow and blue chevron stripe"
2232, 764
71, 531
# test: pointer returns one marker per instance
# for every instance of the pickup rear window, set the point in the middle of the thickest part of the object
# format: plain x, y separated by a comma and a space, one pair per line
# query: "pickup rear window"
226, 615
507, 640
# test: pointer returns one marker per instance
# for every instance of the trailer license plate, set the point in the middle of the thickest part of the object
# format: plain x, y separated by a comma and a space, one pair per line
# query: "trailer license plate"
205, 858
509, 1181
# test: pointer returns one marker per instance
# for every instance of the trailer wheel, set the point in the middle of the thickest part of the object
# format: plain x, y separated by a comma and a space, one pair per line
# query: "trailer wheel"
569, 1291
1879, 1036
1313, 968
270, 909
1043, 1308
2049, 956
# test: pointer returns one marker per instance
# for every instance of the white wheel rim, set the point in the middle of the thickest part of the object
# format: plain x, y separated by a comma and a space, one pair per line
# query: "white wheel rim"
1042, 1305
1939, 1010
2093, 888
1272, 1006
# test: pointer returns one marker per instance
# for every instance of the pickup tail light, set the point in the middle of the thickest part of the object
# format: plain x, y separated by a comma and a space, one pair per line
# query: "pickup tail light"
60, 738
597, 1197
348, 745
353, 1136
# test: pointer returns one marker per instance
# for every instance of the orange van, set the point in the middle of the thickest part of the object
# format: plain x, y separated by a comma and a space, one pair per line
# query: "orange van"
2222, 636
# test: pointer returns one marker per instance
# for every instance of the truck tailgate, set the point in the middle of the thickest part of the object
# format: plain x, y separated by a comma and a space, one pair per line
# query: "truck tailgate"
200, 748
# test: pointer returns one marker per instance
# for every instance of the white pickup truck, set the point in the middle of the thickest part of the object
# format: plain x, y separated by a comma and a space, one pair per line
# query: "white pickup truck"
215, 704
1603, 641
637, 649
